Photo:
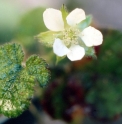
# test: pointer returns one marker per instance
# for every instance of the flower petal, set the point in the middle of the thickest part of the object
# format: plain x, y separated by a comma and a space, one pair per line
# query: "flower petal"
75, 17
53, 19
91, 36
59, 48
76, 52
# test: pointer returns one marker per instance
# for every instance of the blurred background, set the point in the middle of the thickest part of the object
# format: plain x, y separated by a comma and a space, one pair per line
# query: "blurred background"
82, 92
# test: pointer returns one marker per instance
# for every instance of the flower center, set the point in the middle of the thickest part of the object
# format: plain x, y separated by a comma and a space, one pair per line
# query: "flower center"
70, 36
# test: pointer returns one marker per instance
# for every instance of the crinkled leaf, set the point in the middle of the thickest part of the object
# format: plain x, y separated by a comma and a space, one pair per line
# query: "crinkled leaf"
85, 23
47, 38
38, 68
64, 14
16, 82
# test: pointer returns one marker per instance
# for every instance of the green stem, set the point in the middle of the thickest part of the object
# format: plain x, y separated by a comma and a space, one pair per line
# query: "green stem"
57, 60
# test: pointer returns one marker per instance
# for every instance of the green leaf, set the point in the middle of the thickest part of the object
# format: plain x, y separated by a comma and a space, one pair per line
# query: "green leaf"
85, 23
64, 14
47, 38
17, 82
38, 67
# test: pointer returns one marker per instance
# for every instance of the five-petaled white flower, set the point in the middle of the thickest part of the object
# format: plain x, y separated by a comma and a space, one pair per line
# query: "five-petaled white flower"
68, 42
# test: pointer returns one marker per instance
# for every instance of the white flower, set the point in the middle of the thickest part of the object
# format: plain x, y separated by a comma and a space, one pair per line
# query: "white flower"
67, 43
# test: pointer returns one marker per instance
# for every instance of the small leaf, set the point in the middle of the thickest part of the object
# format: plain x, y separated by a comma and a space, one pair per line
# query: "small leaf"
17, 82
64, 14
85, 23
38, 67
47, 38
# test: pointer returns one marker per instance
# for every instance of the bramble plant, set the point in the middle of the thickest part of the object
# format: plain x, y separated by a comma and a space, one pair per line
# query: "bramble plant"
17, 81
70, 33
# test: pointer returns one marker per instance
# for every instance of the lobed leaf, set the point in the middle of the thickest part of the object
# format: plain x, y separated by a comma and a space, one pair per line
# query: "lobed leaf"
17, 82
38, 67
